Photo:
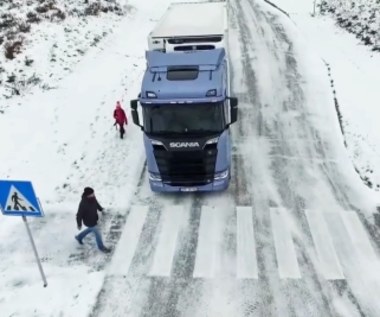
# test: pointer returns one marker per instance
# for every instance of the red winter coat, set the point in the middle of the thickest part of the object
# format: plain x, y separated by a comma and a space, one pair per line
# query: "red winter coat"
120, 116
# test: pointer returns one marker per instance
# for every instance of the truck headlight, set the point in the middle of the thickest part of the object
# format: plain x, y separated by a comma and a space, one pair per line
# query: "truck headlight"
211, 93
221, 175
213, 140
156, 142
151, 94
155, 177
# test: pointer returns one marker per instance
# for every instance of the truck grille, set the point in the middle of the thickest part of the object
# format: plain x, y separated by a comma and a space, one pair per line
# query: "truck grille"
186, 168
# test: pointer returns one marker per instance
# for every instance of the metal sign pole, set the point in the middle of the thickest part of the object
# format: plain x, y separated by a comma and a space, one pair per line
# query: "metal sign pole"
35, 251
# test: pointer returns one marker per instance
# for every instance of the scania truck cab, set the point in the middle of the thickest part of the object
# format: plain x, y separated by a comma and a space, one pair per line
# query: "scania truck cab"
186, 110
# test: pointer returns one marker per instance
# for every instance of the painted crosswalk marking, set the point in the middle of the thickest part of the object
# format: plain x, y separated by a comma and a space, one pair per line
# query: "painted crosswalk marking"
172, 219
207, 260
246, 264
328, 261
129, 239
340, 240
359, 237
285, 251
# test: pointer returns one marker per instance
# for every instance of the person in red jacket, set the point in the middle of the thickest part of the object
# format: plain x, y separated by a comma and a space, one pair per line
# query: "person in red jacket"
120, 117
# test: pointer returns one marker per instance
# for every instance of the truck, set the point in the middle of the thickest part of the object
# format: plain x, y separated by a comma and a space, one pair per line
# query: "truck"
185, 105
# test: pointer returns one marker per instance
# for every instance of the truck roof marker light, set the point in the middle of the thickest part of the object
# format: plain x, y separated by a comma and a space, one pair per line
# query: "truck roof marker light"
150, 95
211, 93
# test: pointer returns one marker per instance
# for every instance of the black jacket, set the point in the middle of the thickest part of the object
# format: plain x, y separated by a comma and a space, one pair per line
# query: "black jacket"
88, 212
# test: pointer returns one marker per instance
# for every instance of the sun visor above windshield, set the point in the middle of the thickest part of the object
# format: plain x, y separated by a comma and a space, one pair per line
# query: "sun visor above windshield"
210, 58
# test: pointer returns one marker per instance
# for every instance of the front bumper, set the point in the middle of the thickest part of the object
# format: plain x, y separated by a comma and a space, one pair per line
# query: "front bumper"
216, 185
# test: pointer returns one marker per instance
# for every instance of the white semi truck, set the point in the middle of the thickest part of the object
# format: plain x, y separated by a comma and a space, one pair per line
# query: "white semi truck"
185, 103
191, 26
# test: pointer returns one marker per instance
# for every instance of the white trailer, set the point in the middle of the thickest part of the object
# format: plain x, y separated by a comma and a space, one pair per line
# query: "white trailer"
190, 26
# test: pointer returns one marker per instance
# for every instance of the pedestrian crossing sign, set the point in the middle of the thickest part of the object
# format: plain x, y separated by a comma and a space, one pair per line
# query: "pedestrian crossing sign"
17, 198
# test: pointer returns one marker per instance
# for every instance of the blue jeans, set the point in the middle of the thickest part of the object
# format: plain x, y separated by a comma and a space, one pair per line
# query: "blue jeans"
98, 235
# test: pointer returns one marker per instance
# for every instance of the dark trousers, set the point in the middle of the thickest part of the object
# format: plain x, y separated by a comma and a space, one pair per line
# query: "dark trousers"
121, 130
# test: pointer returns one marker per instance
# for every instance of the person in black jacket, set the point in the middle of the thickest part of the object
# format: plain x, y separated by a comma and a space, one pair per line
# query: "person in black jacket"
88, 213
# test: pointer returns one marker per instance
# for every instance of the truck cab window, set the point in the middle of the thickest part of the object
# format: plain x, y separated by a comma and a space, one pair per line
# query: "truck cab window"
202, 118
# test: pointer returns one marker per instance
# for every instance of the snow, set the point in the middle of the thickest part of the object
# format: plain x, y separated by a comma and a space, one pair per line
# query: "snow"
179, 20
353, 69
63, 139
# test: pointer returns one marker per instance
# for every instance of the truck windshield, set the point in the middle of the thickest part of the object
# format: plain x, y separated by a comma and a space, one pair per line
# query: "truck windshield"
192, 119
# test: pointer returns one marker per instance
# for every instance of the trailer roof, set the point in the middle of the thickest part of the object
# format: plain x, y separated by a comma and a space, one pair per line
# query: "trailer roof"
192, 19
212, 58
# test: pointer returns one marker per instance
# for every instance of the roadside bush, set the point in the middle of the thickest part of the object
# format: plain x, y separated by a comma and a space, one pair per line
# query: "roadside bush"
59, 15
357, 18
46, 7
12, 48
28, 61
24, 27
32, 17
7, 21
93, 9
96, 8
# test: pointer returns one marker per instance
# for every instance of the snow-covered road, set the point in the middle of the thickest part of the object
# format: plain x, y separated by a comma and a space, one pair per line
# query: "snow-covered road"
288, 238
292, 236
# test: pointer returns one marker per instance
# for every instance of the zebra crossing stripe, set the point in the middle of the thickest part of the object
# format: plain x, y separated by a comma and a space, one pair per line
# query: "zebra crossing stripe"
285, 251
246, 262
359, 237
328, 261
129, 239
172, 219
207, 257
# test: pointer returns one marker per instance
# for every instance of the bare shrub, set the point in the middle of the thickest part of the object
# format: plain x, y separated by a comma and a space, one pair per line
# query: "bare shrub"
93, 9
42, 9
24, 27
32, 17
59, 15
11, 78
12, 48
7, 21
45, 7
28, 61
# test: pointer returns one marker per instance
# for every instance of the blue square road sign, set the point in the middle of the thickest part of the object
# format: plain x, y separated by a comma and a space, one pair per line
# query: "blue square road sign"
17, 198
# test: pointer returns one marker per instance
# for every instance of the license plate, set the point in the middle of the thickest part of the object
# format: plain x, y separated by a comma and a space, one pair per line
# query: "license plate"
189, 189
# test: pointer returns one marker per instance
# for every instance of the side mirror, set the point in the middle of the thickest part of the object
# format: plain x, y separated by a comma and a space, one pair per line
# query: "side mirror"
135, 115
234, 109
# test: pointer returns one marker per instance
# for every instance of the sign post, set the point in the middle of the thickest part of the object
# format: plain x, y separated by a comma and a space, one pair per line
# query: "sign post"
35, 251
17, 198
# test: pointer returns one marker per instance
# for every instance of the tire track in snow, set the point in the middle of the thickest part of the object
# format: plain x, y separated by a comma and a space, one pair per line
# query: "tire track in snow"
169, 296
111, 226
150, 295
292, 199
313, 296
257, 298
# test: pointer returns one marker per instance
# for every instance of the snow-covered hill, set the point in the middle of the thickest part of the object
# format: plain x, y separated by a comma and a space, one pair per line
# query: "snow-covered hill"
41, 41
360, 17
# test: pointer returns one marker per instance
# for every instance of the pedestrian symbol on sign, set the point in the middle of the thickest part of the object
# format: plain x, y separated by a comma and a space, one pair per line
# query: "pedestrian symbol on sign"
16, 201
17, 205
